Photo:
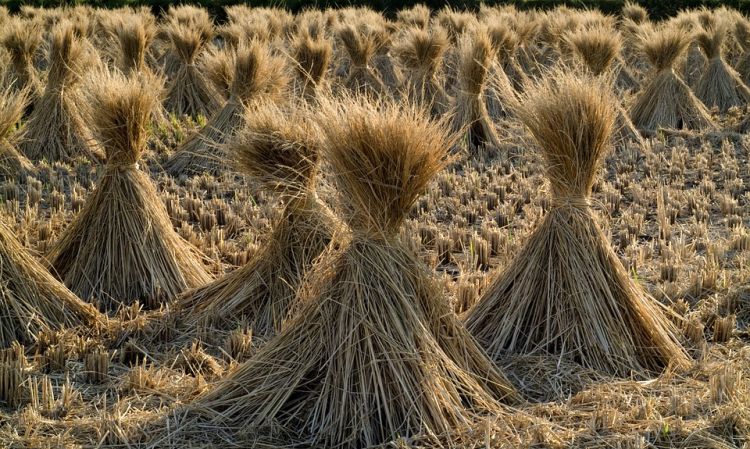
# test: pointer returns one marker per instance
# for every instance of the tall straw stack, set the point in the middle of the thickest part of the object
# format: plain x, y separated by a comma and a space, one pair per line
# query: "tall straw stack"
32, 300
665, 101
719, 86
258, 75
470, 114
13, 164
56, 129
374, 354
134, 36
742, 34
312, 57
279, 150
566, 293
22, 38
121, 246
360, 48
501, 91
189, 92
420, 54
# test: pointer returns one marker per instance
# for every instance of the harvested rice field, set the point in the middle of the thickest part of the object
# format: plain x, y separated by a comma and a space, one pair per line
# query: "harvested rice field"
336, 229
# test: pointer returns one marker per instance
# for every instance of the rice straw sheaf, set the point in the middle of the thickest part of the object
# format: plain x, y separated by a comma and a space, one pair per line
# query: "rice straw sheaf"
56, 129
598, 49
360, 48
420, 54
22, 38
742, 34
312, 57
218, 65
32, 300
566, 293
635, 12
417, 16
719, 86
665, 101
501, 91
382, 61
279, 150
189, 92
135, 37
13, 164
374, 353
470, 114
121, 246
258, 76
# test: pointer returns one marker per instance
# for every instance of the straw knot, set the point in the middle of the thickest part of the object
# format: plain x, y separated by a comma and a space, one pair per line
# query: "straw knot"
575, 202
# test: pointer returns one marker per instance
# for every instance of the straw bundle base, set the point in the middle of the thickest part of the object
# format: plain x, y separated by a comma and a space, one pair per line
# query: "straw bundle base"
721, 87
667, 102
361, 364
567, 294
470, 110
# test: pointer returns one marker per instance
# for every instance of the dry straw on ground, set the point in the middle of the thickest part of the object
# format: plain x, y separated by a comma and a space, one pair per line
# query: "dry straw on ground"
32, 300
258, 76
373, 324
279, 149
665, 101
566, 292
56, 129
121, 246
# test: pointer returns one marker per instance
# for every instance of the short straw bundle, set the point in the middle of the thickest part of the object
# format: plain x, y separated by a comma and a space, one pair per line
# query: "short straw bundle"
279, 150
21, 38
420, 54
312, 56
56, 129
418, 16
189, 92
32, 300
258, 75
635, 12
13, 164
360, 48
375, 353
719, 86
665, 101
121, 246
469, 107
566, 293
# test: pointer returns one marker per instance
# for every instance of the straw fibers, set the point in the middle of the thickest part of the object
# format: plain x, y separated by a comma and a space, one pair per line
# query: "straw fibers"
360, 46
719, 86
13, 164
742, 35
665, 101
374, 353
121, 246
22, 38
32, 300
56, 129
501, 92
258, 76
279, 150
135, 37
566, 292
312, 57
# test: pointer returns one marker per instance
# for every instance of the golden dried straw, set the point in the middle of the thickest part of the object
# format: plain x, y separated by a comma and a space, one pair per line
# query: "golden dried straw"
374, 354
566, 293
13, 164
121, 246
312, 57
634, 12
360, 47
22, 39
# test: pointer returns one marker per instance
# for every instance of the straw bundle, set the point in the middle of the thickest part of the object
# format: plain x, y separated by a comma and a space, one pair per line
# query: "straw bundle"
56, 129
665, 100
417, 16
257, 76
134, 36
32, 300
13, 164
382, 60
742, 34
121, 246
635, 12
566, 293
279, 150
21, 39
360, 48
720, 85
189, 92
421, 53
312, 56
501, 93
505, 41
374, 354
470, 115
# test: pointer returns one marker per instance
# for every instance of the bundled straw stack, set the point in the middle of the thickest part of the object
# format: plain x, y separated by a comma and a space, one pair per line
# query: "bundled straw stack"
566, 293
375, 353
121, 246
13, 164
279, 150
420, 54
360, 48
189, 92
742, 34
665, 101
470, 114
56, 129
32, 300
635, 12
501, 92
257, 76
135, 37
719, 86
312, 56
21, 38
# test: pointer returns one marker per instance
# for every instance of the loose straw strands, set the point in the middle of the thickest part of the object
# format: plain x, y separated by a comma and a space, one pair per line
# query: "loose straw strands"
13, 164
